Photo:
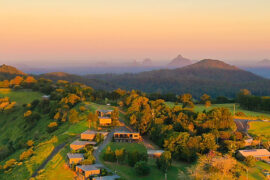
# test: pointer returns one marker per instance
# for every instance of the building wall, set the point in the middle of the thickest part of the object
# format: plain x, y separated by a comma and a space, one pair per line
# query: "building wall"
76, 147
75, 160
104, 122
92, 172
88, 136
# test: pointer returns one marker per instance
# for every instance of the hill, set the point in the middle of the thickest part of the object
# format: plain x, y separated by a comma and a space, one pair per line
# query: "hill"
179, 61
95, 83
213, 77
10, 70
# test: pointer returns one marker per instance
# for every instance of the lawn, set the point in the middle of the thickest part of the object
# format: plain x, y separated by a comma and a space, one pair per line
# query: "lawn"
20, 96
200, 108
129, 173
57, 168
260, 128
255, 173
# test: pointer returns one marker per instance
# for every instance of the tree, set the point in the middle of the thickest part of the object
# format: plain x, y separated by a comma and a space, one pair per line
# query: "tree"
26, 154
109, 155
52, 126
208, 143
30, 143
165, 161
92, 119
73, 116
186, 100
250, 161
206, 100
115, 117
142, 168
120, 155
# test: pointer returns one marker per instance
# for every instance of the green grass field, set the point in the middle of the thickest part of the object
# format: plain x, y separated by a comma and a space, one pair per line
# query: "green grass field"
57, 168
260, 128
129, 173
20, 96
200, 108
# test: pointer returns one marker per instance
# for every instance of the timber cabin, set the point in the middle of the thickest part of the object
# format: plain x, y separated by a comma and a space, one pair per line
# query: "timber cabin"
124, 136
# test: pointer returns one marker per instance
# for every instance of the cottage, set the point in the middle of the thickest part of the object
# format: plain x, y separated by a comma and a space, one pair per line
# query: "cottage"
124, 136
102, 112
154, 153
88, 135
87, 170
104, 121
75, 158
259, 154
80, 144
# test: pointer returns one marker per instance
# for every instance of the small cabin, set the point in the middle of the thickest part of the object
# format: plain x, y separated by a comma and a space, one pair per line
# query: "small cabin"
87, 170
124, 136
259, 154
88, 135
154, 153
104, 121
76, 145
75, 158
104, 112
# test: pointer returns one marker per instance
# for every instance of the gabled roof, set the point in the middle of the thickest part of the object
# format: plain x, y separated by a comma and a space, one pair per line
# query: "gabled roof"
255, 152
83, 142
87, 167
126, 132
89, 132
75, 155
104, 117
104, 110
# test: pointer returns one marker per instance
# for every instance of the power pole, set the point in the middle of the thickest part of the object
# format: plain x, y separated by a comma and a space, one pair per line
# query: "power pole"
233, 109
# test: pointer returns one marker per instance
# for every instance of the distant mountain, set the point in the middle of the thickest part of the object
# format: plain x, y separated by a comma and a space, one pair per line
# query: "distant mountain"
264, 62
147, 62
10, 70
179, 61
213, 77
95, 83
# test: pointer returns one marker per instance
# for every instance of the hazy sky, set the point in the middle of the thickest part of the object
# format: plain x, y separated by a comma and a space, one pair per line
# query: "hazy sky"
83, 31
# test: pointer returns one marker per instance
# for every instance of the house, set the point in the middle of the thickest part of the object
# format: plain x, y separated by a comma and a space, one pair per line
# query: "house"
124, 136
75, 158
154, 153
248, 142
88, 135
85, 171
102, 112
104, 121
80, 144
259, 154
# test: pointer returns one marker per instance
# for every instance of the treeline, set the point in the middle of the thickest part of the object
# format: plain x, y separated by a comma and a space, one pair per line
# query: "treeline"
251, 102
180, 130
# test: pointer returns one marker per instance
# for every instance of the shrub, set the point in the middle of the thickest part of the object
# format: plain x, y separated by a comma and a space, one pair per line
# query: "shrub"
142, 168
82, 108
26, 154
135, 156
9, 164
52, 127
30, 143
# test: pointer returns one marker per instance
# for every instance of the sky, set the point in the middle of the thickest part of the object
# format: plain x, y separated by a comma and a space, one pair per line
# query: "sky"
81, 32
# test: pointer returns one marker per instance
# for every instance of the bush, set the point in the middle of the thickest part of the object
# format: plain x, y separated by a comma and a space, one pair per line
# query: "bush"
9, 164
142, 168
135, 156
26, 154
52, 127
30, 143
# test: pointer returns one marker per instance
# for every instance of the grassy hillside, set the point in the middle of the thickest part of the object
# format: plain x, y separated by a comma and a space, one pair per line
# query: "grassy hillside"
260, 128
20, 96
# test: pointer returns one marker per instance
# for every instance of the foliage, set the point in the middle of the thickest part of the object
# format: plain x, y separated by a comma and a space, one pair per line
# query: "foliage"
26, 154
250, 161
142, 168
165, 161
